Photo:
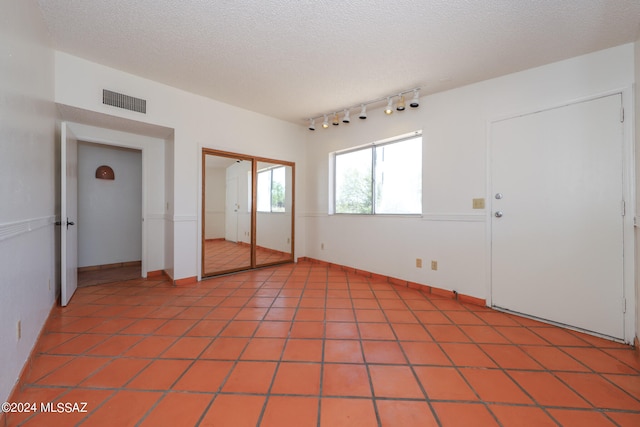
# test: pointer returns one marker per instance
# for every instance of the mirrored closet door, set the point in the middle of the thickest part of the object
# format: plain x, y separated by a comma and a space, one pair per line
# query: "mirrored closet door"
247, 212
274, 213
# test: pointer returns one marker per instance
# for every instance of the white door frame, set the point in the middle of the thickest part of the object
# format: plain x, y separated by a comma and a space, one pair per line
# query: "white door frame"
113, 143
68, 237
628, 192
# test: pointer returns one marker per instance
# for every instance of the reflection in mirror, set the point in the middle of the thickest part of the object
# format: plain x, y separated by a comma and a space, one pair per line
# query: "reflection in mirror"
274, 203
226, 230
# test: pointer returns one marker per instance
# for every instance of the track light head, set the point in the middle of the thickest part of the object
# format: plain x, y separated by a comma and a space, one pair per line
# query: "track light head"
415, 101
343, 114
363, 112
389, 108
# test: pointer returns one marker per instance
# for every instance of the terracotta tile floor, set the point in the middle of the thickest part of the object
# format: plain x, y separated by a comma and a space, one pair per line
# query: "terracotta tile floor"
305, 345
223, 255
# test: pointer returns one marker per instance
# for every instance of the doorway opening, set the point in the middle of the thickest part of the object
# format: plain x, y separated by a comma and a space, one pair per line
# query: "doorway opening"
156, 145
109, 214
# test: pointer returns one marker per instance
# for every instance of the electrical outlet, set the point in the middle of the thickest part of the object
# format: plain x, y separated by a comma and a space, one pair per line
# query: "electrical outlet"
419, 262
19, 329
478, 203
322, 246
434, 265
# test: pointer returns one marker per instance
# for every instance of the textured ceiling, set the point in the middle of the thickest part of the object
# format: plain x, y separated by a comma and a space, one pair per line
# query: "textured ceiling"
293, 59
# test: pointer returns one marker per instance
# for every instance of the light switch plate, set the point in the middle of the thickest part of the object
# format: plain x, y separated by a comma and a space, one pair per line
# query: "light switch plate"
478, 203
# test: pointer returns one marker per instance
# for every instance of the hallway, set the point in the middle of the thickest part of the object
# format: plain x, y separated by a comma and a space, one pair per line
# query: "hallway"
309, 345
109, 274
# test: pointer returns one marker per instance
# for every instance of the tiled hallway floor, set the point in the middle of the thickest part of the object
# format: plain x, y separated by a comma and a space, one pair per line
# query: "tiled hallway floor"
306, 345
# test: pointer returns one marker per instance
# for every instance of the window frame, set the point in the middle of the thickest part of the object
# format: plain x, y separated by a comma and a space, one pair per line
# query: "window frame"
372, 146
270, 171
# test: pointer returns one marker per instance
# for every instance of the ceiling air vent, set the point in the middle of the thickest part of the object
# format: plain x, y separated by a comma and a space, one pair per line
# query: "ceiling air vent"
124, 101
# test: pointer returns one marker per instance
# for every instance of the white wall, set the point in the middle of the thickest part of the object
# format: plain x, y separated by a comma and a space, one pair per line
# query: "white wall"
197, 122
273, 230
454, 125
27, 184
637, 148
215, 193
109, 211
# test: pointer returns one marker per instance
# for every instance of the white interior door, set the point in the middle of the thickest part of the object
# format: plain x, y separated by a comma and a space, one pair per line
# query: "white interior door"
69, 214
231, 210
557, 225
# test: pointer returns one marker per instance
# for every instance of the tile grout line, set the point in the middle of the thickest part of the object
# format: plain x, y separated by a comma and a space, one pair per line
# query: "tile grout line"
157, 358
170, 302
408, 364
278, 362
505, 372
322, 350
457, 367
591, 371
453, 365
215, 394
364, 358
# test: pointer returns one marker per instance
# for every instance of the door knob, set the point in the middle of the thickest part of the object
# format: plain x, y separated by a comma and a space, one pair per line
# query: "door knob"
499, 196
498, 214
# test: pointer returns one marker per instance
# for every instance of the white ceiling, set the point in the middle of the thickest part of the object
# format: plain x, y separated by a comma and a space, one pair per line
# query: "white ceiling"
294, 59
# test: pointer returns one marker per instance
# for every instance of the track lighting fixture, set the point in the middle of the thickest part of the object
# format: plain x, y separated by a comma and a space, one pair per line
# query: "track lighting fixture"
363, 112
388, 110
415, 102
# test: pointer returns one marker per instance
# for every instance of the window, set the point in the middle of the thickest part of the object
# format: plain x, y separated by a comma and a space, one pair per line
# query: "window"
271, 190
382, 178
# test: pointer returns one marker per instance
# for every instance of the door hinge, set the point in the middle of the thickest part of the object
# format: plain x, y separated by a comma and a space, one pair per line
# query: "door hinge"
624, 305
624, 208
621, 114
